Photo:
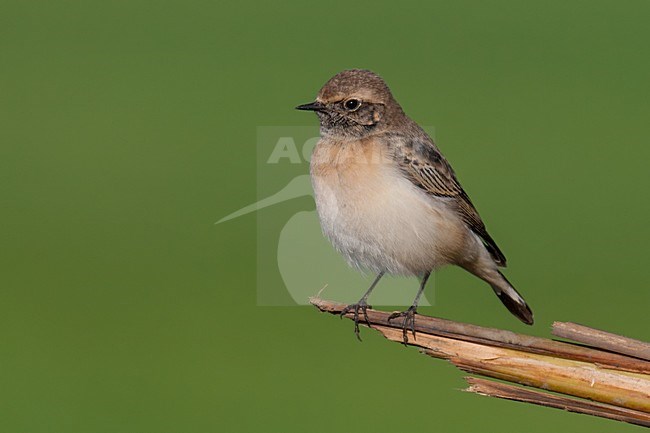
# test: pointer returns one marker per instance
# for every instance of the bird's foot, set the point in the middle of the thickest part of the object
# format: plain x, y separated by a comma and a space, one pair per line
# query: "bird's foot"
360, 306
407, 323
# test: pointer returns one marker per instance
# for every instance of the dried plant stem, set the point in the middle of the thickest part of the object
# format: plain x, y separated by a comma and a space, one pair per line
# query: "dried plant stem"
602, 340
607, 383
517, 393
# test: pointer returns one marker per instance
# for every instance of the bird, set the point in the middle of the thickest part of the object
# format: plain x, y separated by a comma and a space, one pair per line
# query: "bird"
389, 201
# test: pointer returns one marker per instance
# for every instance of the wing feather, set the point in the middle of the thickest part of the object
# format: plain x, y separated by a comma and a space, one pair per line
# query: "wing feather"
427, 168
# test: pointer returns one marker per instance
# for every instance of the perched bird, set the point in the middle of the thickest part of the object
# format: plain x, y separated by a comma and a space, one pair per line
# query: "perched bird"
389, 201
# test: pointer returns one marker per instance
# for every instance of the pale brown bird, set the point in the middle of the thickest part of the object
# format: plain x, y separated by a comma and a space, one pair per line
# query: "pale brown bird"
389, 201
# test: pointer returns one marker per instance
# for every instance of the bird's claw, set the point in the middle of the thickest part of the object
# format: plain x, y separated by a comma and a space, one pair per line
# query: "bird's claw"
407, 323
360, 306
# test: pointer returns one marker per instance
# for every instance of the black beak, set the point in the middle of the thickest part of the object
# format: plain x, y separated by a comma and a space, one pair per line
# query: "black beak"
312, 106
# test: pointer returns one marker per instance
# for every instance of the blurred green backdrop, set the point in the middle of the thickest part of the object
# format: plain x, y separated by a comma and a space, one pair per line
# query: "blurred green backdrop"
127, 128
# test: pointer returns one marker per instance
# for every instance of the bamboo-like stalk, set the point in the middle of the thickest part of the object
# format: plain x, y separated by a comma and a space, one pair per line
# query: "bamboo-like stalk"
611, 385
491, 388
602, 340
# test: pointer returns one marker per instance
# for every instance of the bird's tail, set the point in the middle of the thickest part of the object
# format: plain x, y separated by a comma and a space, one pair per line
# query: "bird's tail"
512, 299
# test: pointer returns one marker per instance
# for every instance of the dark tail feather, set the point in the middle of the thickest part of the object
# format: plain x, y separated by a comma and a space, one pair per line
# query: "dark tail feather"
494, 250
513, 300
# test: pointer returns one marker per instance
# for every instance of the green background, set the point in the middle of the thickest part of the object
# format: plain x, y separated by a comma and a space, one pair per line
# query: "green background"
127, 128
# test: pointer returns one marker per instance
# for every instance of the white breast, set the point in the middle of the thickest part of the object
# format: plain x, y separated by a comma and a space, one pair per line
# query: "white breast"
377, 218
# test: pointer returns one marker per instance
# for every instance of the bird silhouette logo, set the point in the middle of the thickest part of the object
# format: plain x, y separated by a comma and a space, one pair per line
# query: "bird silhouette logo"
299, 254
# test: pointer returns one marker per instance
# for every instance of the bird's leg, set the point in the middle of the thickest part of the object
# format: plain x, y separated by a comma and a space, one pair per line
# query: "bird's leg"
361, 305
409, 315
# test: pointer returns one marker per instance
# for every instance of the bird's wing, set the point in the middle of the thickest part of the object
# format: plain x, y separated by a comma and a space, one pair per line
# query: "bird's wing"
428, 169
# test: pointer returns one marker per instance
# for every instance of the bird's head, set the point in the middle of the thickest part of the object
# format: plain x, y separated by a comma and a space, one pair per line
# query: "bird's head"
353, 104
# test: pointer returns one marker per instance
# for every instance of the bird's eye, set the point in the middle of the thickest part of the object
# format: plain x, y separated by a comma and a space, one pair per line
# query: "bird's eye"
352, 104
